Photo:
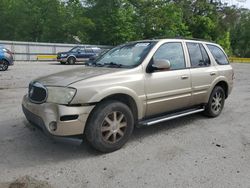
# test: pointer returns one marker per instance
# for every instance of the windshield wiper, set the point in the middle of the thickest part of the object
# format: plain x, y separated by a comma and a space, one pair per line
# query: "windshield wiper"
110, 64
113, 64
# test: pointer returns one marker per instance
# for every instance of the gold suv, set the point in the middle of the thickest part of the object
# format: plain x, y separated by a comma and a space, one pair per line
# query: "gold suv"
139, 83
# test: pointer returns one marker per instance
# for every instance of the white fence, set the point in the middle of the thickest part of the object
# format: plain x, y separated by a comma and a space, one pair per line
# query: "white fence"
28, 51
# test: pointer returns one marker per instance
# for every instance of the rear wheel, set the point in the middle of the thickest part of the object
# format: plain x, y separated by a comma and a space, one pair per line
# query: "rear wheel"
71, 60
4, 65
216, 102
110, 126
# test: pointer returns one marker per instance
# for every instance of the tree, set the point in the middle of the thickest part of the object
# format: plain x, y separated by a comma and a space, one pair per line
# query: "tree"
241, 36
113, 21
159, 19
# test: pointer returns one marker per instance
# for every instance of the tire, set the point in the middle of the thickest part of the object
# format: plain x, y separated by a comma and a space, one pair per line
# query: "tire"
4, 65
104, 136
216, 102
71, 60
63, 63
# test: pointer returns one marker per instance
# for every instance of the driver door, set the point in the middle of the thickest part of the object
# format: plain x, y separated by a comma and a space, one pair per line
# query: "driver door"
168, 90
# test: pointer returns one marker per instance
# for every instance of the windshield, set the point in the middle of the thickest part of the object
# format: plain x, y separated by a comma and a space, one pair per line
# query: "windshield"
127, 56
75, 49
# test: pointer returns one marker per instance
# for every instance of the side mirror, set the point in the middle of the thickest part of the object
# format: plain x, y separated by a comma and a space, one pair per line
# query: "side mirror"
159, 64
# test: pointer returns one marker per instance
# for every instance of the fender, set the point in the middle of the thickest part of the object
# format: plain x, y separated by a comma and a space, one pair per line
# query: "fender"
139, 100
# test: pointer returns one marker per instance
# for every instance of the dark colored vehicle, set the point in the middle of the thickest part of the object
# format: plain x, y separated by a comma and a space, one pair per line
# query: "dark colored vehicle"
6, 58
78, 53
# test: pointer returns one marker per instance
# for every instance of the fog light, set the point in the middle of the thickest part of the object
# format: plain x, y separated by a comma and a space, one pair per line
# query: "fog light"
52, 126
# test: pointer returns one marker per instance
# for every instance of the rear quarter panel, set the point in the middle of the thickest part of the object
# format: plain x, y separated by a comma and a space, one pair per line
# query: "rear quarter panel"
226, 72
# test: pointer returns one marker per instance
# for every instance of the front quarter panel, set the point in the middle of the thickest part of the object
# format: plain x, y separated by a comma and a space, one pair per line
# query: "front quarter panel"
129, 82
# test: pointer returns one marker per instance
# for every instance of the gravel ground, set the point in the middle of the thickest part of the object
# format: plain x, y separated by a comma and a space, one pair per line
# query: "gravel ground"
194, 151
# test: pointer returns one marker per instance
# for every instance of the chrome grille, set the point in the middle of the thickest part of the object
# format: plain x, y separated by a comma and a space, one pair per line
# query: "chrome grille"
37, 92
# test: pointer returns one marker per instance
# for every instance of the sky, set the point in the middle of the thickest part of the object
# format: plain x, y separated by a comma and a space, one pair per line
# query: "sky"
245, 4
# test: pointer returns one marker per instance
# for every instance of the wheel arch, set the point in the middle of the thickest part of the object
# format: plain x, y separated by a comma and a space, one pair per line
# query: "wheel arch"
126, 99
6, 60
121, 97
224, 85
71, 56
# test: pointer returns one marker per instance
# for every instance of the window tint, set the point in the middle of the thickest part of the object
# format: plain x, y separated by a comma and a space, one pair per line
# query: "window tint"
218, 54
205, 56
88, 50
198, 55
172, 52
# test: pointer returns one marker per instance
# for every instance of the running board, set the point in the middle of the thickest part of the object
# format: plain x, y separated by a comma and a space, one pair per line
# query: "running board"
153, 121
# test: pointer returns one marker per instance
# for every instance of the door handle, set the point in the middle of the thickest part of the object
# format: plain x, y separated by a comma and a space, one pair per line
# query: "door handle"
212, 73
184, 77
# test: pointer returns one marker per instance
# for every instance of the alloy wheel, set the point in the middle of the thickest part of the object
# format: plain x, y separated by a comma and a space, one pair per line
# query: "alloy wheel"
113, 127
217, 102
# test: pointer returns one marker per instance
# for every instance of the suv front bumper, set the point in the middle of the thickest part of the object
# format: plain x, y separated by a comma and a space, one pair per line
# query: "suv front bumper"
46, 114
62, 59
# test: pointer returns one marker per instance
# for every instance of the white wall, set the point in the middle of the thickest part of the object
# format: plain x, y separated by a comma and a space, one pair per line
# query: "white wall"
28, 51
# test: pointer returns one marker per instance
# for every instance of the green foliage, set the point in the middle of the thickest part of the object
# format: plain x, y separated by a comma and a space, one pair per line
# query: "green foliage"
156, 19
113, 22
224, 41
241, 35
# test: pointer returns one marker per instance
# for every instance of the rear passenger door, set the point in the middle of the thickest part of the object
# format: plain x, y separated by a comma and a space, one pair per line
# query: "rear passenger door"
202, 72
88, 53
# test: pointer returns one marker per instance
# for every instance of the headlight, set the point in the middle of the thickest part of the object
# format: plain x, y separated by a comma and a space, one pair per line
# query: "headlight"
63, 55
60, 95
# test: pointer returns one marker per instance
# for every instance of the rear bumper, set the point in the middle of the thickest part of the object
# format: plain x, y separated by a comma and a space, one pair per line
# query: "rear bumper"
42, 115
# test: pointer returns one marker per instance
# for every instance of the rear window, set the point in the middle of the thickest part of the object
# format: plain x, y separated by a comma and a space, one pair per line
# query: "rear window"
218, 54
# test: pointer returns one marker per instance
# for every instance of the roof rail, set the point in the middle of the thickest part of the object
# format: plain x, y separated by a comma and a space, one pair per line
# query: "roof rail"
180, 37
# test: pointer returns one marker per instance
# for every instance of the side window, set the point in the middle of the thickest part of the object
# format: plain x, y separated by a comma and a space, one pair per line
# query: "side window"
82, 50
218, 54
88, 50
205, 56
198, 55
173, 52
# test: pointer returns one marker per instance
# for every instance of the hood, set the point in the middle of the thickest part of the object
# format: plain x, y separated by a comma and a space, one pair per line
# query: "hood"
59, 53
68, 77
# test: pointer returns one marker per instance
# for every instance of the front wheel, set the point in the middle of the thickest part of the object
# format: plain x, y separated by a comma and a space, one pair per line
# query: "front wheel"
216, 102
110, 126
71, 60
4, 65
